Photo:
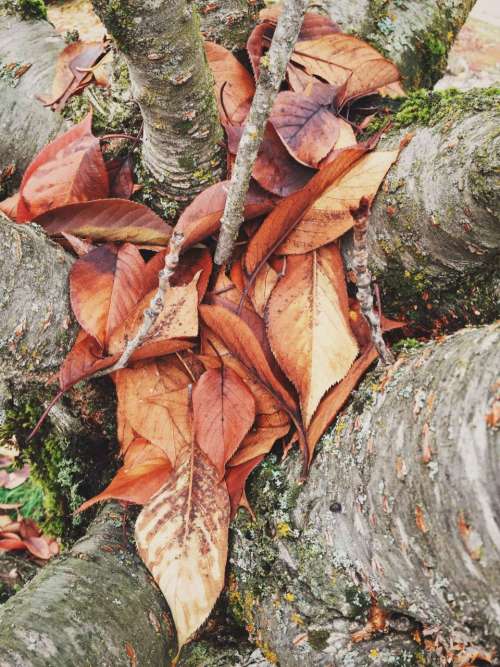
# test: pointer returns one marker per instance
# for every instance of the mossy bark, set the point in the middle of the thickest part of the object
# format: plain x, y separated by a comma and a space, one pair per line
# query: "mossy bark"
230, 22
400, 505
171, 81
434, 232
96, 605
415, 35
25, 125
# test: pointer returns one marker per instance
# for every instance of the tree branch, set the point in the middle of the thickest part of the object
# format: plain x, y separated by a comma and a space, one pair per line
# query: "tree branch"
272, 72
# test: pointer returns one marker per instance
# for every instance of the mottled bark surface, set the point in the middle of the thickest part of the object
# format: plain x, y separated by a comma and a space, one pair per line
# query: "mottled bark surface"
402, 502
96, 605
25, 125
415, 34
434, 232
171, 81
230, 22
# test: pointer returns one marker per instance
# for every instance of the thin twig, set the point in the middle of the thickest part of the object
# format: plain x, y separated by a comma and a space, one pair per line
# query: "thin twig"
272, 72
152, 312
361, 216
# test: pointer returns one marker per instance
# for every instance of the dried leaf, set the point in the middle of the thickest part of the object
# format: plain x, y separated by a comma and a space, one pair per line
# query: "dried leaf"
236, 478
108, 220
68, 170
121, 178
309, 303
105, 286
234, 86
181, 536
83, 360
329, 217
194, 261
258, 442
344, 59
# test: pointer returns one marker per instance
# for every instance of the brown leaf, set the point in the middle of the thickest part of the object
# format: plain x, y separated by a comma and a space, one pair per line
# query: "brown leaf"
236, 478
344, 59
106, 285
305, 125
79, 246
145, 470
288, 212
329, 216
224, 411
108, 220
121, 178
68, 170
243, 344
234, 86
154, 396
194, 261
83, 360
310, 304
313, 25
181, 536
258, 442
202, 217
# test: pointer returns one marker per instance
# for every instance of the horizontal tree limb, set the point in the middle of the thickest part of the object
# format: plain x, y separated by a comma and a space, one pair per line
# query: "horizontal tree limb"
399, 506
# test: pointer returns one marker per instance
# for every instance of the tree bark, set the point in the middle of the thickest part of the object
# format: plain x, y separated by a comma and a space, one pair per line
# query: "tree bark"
401, 504
228, 23
171, 81
25, 125
434, 231
96, 605
416, 36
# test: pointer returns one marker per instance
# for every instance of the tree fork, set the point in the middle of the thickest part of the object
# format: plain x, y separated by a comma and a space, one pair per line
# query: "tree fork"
171, 81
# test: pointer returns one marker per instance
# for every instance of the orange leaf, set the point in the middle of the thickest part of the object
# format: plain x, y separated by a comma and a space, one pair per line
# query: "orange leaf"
310, 304
257, 442
84, 359
224, 411
344, 59
70, 169
287, 214
146, 469
236, 478
105, 286
108, 220
202, 217
194, 261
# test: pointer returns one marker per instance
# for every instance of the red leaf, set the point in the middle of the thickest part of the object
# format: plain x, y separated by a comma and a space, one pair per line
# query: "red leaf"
105, 286
68, 170
108, 220
202, 217
224, 411
11, 543
121, 178
84, 359
236, 478
193, 261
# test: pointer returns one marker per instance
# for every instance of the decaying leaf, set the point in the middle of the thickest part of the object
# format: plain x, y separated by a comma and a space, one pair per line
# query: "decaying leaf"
181, 535
234, 86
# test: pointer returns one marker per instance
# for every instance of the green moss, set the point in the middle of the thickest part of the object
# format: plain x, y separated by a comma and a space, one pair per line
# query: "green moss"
318, 639
67, 468
406, 345
358, 599
27, 9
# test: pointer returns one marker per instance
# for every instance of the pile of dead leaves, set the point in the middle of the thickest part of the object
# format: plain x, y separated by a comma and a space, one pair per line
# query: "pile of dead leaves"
242, 357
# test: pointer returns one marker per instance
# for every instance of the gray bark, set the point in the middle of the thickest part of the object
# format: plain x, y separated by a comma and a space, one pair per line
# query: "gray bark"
171, 81
434, 232
228, 23
415, 438
96, 605
25, 125
415, 34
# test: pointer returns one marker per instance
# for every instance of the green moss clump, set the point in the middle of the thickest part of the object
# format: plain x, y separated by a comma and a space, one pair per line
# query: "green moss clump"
27, 9
358, 599
318, 639
66, 468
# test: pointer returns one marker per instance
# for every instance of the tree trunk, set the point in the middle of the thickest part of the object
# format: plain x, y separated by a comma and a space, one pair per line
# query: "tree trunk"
434, 232
401, 505
230, 22
25, 125
416, 36
171, 81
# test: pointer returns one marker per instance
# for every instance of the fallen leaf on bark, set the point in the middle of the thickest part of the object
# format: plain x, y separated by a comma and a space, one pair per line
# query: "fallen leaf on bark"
258, 442
329, 217
106, 285
121, 178
234, 86
83, 360
181, 535
68, 170
310, 304
108, 220
236, 478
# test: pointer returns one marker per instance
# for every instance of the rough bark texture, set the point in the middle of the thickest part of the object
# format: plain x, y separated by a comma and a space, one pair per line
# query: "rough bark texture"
170, 80
401, 502
97, 605
25, 125
415, 34
230, 22
434, 231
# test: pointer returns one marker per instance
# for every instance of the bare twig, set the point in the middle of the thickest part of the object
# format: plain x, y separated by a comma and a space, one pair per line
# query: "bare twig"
272, 71
361, 216
155, 307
